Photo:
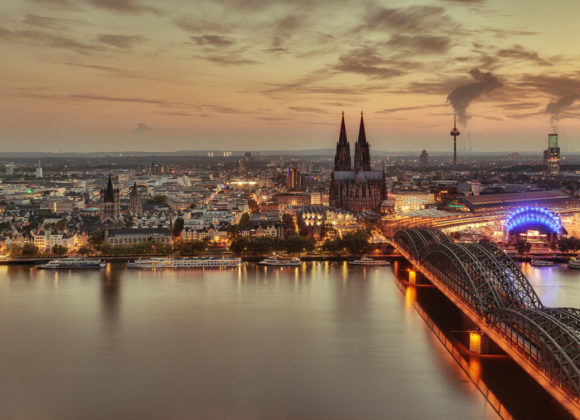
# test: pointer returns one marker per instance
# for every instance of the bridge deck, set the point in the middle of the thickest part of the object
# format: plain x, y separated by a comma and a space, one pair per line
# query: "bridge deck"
569, 402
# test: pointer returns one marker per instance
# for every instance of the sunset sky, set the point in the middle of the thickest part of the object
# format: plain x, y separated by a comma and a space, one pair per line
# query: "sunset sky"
116, 75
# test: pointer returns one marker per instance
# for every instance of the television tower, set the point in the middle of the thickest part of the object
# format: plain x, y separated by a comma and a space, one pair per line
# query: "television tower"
454, 132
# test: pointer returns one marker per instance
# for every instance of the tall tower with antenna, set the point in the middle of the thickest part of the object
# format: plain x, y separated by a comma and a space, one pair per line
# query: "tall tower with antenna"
454, 133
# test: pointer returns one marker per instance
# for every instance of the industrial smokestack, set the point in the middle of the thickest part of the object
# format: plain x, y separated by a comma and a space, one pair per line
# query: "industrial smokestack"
463, 95
556, 108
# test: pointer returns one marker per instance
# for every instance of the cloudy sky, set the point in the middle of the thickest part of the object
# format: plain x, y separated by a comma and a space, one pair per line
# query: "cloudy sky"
108, 75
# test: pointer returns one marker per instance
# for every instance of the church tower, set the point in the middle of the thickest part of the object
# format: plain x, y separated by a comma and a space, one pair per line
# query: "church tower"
342, 157
362, 156
109, 205
135, 202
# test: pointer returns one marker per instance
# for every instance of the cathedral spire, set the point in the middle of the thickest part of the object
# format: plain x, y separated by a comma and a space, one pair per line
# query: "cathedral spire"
362, 156
342, 157
109, 191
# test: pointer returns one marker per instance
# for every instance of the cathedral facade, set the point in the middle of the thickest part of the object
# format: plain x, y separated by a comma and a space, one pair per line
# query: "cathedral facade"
355, 189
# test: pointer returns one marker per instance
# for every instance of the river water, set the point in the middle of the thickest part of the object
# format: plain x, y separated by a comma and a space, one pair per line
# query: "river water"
323, 341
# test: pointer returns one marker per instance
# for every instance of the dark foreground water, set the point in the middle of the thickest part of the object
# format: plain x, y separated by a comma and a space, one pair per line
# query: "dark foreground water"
323, 341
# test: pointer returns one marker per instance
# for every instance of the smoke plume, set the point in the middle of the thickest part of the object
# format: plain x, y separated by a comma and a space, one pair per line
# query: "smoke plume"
462, 96
556, 108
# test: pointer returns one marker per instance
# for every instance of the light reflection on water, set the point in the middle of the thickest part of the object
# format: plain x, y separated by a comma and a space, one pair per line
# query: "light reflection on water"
323, 340
556, 286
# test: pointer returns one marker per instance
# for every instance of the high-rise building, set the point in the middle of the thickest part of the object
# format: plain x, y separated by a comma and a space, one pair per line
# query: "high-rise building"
424, 158
39, 170
10, 169
552, 154
294, 179
359, 189
135, 202
109, 205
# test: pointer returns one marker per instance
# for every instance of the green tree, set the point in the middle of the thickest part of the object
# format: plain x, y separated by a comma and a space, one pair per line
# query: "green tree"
244, 221
59, 250
177, 227
289, 225
85, 250
97, 237
14, 250
523, 247
29, 250
158, 199
128, 221
253, 205
233, 231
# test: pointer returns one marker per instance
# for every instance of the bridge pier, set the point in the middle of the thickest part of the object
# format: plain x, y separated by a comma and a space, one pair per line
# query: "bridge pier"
412, 277
480, 343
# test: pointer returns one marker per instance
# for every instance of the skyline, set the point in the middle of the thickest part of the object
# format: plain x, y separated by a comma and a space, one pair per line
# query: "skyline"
102, 75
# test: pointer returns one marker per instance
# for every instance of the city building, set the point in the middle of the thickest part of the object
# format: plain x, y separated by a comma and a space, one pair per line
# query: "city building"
552, 155
507, 201
109, 205
135, 202
137, 236
359, 189
411, 201
39, 170
294, 179
424, 158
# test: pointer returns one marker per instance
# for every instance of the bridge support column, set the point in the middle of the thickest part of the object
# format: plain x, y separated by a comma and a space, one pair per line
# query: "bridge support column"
412, 277
481, 344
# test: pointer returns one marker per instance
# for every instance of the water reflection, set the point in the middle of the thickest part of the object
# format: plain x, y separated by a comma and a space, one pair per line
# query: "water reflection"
111, 295
322, 340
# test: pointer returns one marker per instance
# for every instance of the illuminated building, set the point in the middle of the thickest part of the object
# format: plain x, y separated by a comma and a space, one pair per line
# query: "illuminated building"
552, 154
285, 200
410, 201
535, 223
494, 202
294, 179
359, 189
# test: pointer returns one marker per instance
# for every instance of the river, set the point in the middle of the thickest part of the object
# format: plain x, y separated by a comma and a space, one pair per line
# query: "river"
323, 341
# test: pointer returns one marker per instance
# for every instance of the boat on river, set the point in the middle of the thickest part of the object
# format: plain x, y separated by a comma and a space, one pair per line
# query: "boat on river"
73, 263
369, 261
281, 262
184, 263
542, 263
574, 264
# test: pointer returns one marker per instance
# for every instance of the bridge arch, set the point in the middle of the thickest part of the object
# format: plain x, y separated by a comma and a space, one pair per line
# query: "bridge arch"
547, 340
464, 274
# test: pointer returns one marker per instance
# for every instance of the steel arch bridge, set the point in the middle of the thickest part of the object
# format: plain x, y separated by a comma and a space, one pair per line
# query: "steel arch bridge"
485, 283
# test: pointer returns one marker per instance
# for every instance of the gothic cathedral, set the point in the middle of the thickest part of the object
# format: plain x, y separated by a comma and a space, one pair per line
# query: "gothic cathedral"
360, 189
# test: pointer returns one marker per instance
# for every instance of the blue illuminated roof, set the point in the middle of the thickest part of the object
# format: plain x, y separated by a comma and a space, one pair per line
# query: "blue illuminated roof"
534, 215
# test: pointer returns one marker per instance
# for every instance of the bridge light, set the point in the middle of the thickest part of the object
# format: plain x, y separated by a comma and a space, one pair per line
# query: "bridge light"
475, 341
412, 277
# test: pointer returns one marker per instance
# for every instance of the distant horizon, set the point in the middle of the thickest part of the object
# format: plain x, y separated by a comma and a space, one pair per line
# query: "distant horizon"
329, 152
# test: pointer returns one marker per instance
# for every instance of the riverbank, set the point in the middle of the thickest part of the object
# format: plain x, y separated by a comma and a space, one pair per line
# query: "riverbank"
248, 258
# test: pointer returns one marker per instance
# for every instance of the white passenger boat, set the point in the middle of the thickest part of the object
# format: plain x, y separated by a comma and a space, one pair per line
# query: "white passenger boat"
542, 263
74, 263
193, 262
574, 264
369, 261
281, 262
